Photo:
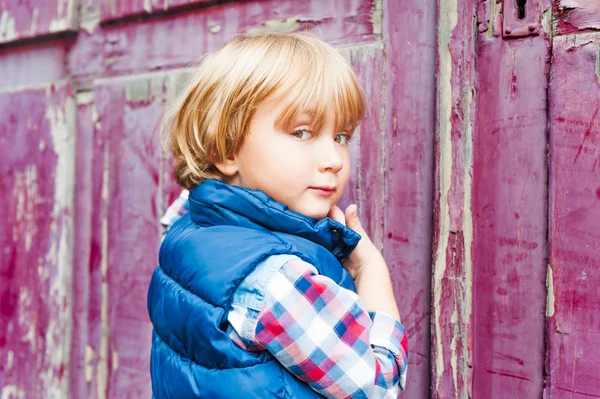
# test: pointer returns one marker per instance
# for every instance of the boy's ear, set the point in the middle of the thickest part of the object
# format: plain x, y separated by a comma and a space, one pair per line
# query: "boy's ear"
228, 166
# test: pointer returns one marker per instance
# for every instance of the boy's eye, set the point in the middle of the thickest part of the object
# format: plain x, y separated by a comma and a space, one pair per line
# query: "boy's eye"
303, 134
342, 138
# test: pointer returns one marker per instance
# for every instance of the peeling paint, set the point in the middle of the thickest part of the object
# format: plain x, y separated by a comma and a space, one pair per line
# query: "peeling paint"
288, 25
89, 19
58, 334
377, 17
467, 225
8, 31
448, 15
12, 391
550, 295
548, 22
598, 62
9, 359
89, 356
137, 90
494, 27
34, 22
115, 360
214, 28
102, 366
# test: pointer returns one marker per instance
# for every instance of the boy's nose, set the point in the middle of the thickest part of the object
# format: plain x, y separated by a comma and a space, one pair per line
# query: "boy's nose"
330, 157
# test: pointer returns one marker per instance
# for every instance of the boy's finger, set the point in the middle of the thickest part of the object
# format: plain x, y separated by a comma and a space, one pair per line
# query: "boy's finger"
352, 219
336, 214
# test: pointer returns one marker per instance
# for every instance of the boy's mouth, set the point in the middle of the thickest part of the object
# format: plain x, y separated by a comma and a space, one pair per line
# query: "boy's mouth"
325, 191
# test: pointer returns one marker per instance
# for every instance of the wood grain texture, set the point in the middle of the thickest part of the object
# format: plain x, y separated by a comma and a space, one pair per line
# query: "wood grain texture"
409, 35
37, 138
181, 39
573, 329
129, 198
25, 19
509, 208
453, 226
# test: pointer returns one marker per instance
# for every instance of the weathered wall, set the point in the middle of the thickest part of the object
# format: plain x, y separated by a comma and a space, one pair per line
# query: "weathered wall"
477, 175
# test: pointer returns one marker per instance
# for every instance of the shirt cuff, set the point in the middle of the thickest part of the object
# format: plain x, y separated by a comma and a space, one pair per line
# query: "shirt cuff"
387, 332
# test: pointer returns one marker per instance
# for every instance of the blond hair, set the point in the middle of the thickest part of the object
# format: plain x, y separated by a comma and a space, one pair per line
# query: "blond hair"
211, 119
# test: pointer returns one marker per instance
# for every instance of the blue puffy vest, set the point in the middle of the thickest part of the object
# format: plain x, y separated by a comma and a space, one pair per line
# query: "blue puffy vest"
204, 257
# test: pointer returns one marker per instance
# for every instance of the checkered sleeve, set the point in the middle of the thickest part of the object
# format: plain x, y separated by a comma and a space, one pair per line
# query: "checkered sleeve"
322, 334
177, 209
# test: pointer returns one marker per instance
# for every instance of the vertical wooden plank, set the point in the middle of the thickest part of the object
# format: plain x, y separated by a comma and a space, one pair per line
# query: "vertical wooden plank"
453, 226
573, 329
509, 213
409, 35
37, 137
132, 198
366, 181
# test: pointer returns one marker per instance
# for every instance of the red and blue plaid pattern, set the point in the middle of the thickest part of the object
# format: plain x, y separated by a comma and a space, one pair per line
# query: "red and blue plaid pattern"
322, 334
318, 330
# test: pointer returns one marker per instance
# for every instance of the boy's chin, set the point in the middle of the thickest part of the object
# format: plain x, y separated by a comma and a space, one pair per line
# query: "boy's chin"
314, 212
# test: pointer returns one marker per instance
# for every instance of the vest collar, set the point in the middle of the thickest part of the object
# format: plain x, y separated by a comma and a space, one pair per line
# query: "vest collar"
214, 203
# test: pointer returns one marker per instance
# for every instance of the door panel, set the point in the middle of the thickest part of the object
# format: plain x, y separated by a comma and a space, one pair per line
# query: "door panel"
573, 329
32, 18
36, 209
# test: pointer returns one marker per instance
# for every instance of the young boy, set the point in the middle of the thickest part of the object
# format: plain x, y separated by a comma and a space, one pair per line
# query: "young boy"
250, 299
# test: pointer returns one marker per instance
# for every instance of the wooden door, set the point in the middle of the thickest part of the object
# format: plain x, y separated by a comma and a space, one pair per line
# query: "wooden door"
476, 172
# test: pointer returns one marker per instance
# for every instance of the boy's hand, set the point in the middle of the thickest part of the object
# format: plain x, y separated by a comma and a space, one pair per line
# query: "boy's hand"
366, 253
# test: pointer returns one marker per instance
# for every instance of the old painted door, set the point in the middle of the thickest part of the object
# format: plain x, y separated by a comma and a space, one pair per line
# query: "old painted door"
83, 86
491, 238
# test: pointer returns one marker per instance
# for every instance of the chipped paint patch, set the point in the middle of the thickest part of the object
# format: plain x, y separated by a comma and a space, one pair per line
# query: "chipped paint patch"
377, 17
467, 225
448, 17
9, 359
61, 115
214, 28
12, 391
102, 366
550, 293
598, 62
89, 19
288, 25
89, 356
548, 22
115, 360
34, 22
8, 31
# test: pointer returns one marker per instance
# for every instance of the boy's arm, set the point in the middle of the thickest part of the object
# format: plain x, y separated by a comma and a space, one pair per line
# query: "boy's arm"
323, 334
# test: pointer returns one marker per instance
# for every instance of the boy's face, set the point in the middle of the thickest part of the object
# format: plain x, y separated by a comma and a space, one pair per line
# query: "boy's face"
305, 170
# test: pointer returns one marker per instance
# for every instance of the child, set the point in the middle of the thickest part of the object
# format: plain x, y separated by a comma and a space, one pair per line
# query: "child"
250, 299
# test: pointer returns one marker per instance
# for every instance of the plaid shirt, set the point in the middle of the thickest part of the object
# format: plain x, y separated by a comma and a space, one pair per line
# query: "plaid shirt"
316, 329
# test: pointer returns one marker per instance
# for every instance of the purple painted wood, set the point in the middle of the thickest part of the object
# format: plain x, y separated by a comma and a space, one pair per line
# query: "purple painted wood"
574, 15
36, 179
509, 215
366, 151
573, 329
117, 9
32, 65
87, 217
22, 19
178, 40
453, 226
409, 36
128, 110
